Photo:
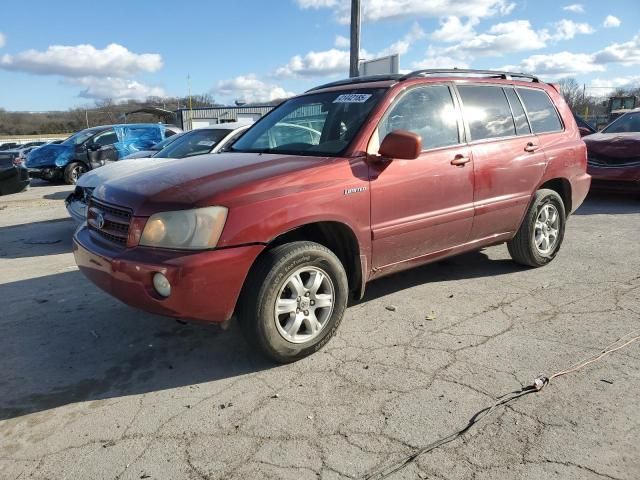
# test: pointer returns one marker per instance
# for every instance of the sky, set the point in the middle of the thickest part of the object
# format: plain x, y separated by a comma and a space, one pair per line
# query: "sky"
58, 55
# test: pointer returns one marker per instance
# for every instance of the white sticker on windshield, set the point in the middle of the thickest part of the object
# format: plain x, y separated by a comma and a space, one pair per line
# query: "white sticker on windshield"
206, 143
353, 98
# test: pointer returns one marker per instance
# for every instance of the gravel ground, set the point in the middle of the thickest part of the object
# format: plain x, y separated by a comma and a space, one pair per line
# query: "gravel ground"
91, 388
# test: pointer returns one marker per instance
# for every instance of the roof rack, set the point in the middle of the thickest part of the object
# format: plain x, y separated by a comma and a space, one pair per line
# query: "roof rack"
355, 80
460, 71
425, 73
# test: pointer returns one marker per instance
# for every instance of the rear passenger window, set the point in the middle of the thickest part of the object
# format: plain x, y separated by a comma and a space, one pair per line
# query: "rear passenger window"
542, 113
522, 124
427, 111
487, 111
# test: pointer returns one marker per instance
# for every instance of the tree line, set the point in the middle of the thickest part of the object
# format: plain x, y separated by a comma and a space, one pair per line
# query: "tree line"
102, 112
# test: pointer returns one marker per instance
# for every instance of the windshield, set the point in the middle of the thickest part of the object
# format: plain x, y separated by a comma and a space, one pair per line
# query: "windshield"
629, 122
80, 137
318, 124
195, 142
160, 145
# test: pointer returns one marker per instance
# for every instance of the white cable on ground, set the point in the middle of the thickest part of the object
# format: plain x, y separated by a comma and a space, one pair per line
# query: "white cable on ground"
537, 385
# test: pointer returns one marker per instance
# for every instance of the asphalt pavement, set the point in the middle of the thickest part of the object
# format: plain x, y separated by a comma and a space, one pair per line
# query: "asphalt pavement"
91, 388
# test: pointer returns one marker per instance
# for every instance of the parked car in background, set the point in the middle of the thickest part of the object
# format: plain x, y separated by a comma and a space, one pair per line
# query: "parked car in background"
212, 139
584, 127
614, 154
92, 148
284, 228
14, 177
154, 149
9, 146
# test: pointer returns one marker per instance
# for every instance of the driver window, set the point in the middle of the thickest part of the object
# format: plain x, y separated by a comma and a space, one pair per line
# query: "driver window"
426, 111
105, 138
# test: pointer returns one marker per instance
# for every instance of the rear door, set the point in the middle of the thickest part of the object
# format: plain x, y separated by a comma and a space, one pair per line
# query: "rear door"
421, 206
508, 160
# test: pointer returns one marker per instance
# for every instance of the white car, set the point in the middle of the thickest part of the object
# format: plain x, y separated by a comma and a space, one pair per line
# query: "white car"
213, 139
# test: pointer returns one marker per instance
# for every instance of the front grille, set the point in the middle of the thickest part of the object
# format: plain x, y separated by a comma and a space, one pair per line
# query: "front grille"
109, 222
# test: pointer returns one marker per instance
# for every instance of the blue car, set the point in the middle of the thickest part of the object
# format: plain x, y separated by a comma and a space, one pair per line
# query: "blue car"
93, 147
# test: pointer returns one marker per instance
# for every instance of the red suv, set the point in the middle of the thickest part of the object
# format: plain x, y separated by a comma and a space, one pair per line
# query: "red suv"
344, 184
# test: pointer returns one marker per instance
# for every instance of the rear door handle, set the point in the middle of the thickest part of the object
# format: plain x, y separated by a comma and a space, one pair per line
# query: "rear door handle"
531, 147
460, 161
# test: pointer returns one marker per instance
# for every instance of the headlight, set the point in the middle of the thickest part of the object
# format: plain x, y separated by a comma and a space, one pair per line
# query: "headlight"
185, 229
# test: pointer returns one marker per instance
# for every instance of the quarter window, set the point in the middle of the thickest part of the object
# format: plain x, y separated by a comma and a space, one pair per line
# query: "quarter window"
426, 111
487, 112
542, 113
522, 124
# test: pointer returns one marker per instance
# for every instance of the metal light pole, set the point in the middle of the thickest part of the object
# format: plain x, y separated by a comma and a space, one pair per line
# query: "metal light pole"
355, 39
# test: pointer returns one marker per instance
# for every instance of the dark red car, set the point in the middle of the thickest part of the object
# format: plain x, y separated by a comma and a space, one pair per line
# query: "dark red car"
614, 154
344, 184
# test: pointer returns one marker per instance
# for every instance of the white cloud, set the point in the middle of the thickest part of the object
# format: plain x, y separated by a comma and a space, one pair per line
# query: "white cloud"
570, 64
574, 7
556, 65
82, 60
567, 29
439, 62
500, 39
250, 89
316, 64
342, 42
604, 87
402, 46
3, 39
611, 22
114, 88
452, 29
376, 10
627, 53
335, 61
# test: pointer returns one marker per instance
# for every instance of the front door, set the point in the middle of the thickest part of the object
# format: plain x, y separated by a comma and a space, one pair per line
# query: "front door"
422, 206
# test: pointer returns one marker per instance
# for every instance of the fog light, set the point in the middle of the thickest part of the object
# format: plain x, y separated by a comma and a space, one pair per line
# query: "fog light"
162, 285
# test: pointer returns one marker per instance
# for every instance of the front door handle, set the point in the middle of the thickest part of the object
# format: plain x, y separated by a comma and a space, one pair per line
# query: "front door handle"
531, 147
460, 161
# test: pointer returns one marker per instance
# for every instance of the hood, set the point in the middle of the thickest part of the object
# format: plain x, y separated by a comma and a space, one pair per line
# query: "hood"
204, 180
116, 170
614, 148
52, 155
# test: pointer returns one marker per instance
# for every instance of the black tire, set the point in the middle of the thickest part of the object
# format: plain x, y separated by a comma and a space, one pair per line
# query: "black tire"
256, 307
73, 172
522, 247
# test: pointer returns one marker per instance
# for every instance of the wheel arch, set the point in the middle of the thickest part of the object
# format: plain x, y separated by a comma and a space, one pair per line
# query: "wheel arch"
562, 187
337, 237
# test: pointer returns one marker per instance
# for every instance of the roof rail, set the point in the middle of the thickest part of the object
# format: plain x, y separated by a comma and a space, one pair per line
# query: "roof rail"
460, 71
355, 80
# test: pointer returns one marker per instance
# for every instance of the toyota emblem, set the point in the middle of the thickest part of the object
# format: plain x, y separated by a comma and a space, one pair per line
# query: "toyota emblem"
100, 220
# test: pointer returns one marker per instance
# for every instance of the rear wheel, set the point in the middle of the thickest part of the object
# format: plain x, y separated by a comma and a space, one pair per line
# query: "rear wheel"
540, 236
294, 300
73, 172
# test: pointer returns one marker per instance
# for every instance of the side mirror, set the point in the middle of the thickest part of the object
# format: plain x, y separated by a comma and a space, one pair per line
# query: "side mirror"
402, 145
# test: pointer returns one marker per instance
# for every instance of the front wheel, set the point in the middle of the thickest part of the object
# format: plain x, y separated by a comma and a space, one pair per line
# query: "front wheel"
540, 236
293, 301
73, 172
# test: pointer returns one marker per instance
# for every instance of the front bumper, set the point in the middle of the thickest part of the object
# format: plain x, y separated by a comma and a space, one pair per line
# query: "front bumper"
623, 179
46, 173
76, 208
205, 285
